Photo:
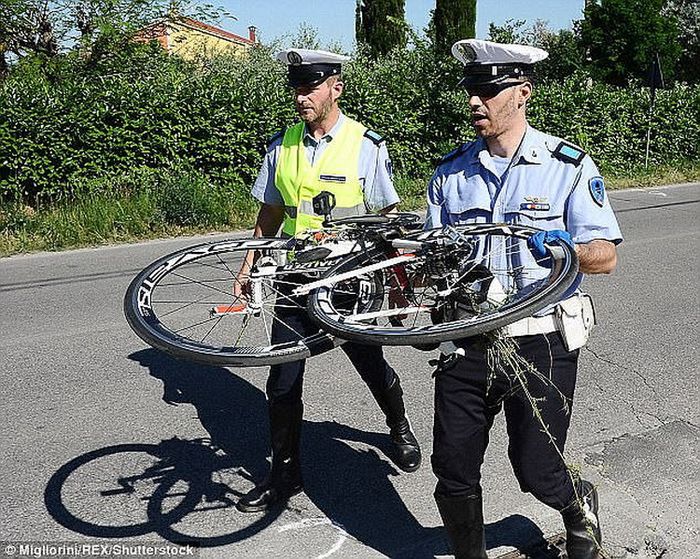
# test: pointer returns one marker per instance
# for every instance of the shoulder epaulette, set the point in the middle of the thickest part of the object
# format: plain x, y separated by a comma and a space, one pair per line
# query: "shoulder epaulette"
275, 137
374, 136
454, 153
569, 153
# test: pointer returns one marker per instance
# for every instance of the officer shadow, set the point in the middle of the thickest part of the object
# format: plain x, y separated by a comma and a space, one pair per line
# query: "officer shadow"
231, 410
351, 486
524, 535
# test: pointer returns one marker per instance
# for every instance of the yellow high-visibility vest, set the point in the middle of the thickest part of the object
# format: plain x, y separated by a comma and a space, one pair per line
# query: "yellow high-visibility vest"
335, 171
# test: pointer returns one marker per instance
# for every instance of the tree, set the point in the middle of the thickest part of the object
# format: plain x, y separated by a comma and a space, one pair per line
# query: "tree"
622, 37
512, 31
566, 56
380, 25
686, 13
26, 26
453, 20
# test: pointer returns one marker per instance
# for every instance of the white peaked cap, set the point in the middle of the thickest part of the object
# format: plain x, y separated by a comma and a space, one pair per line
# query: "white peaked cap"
293, 57
476, 51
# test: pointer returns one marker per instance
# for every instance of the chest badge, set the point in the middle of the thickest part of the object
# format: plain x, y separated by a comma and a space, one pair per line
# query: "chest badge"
535, 203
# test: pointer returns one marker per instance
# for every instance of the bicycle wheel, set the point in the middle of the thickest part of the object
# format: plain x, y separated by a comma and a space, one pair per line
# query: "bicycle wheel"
452, 283
184, 303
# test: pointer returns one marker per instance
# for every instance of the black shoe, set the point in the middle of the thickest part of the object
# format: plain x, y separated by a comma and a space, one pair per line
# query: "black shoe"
406, 448
463, 518
285, 478
583, 535
266, 495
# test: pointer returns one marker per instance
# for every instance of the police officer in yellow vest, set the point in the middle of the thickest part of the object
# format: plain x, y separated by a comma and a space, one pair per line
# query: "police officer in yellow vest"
325, 151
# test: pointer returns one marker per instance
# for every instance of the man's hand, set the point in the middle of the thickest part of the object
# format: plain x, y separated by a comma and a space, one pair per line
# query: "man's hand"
241, 285
536, 243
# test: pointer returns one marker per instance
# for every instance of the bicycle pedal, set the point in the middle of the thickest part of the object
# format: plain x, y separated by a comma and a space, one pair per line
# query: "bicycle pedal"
222, 310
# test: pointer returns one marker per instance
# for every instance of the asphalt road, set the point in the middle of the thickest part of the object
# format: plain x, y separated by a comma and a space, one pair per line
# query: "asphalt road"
99, 432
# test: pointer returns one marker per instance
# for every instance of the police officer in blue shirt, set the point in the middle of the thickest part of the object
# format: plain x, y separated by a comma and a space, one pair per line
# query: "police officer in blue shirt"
325, 151
515, 174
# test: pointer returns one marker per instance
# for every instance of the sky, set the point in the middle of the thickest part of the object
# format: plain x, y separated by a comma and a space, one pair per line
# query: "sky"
335, 19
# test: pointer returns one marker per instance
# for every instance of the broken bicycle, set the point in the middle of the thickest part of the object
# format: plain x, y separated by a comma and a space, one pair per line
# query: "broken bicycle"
373, 279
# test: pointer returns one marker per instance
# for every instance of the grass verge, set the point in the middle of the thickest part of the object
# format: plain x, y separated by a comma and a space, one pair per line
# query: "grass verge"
183, 202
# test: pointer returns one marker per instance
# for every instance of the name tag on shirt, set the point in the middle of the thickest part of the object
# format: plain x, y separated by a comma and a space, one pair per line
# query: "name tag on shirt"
332, 178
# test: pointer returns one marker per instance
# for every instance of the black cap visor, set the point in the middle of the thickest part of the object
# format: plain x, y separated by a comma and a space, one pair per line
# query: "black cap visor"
482, 74
311, 74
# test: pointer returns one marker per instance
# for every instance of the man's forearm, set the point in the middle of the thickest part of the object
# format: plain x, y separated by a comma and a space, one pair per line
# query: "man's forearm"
269, 220
597, 257
267, 225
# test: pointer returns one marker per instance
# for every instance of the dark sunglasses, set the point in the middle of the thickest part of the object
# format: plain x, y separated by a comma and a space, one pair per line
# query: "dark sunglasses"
487, 90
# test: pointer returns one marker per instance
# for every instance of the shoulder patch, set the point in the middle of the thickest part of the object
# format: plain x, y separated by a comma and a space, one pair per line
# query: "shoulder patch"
569, 153
276, 137
596, 187
454, 153
374, 136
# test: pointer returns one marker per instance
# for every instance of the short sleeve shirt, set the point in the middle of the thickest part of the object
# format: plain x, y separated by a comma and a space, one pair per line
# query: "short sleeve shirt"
374, 170
537, 189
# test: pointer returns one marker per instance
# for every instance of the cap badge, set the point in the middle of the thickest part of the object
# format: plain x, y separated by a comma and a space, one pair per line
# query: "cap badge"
468, 53
294, 57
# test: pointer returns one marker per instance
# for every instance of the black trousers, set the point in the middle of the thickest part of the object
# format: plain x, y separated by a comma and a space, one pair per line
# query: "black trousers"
465, 411
285, 381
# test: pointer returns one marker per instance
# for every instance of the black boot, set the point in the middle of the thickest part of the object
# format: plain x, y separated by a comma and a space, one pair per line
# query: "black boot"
463, 518
583, 535
406, 449
284, 479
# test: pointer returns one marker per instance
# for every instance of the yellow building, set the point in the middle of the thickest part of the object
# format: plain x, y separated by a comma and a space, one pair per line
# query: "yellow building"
190, 38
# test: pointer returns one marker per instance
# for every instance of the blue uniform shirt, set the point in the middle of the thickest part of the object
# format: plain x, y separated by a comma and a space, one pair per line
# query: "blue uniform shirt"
374, 170
538, 189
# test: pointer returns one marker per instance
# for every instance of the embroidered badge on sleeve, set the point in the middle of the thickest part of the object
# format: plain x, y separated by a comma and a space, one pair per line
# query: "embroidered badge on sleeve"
597, 189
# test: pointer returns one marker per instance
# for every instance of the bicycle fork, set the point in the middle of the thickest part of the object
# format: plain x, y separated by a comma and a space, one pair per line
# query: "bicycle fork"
253, 304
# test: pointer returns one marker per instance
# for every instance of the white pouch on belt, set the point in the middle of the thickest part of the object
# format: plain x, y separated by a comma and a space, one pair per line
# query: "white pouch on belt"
575, 318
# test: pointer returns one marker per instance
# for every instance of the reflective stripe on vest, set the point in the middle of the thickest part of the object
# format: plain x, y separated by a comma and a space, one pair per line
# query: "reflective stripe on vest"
335, 171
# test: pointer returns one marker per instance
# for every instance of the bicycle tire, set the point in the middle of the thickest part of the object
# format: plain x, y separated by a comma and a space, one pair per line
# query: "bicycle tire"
368, 328
164, 323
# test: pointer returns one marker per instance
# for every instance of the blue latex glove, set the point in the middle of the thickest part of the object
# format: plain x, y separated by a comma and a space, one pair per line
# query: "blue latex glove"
537, 241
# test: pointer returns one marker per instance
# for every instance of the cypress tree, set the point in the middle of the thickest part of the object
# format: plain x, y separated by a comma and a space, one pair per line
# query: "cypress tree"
380, 24
453, 20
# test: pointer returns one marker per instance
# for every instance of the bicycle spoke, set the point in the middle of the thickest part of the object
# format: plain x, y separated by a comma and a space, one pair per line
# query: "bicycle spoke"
211, 329
203, 284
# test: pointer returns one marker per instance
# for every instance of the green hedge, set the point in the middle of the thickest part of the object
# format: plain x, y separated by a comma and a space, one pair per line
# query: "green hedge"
65, 127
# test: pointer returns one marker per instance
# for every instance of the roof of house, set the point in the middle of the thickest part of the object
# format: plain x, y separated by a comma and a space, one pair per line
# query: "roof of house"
201, 26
